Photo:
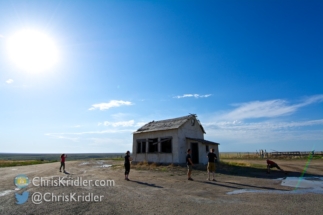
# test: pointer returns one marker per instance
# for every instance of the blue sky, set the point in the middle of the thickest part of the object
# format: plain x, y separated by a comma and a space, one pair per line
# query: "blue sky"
252, 71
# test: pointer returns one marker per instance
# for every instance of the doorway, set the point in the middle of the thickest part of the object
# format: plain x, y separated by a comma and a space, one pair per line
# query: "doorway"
195, 153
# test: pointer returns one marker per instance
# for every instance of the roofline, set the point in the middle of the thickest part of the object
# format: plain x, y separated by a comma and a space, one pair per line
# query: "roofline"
202, 140
145, 131
198, 121
164, 129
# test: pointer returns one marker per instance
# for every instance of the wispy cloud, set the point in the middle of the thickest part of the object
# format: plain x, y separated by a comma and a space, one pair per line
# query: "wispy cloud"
9, 81
140, 124
264, 132
192, 95
119, 116
103, 142
62, 136
270, 125
235, 127
267, 109
118, 124
111, 104
107, 131
1, 36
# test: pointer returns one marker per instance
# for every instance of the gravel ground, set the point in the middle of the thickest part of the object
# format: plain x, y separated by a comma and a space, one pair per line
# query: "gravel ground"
160, 190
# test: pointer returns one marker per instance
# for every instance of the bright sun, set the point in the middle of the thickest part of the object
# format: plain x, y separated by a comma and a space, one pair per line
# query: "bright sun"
32, 50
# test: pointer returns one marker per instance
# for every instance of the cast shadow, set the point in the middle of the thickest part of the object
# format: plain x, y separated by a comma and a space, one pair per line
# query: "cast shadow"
147, 184
248, 171
260, 187
238, 186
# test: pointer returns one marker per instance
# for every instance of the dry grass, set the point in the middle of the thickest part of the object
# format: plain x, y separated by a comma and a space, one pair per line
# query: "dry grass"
234, 164
144, 165
239, 156
8, 163
252, 155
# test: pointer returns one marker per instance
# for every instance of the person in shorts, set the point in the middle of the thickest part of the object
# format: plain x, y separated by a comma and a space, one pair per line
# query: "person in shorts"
272, 164
211, 164
189, 164
63, 156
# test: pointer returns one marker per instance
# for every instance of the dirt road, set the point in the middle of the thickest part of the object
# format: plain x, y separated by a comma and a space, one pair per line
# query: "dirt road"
161, 191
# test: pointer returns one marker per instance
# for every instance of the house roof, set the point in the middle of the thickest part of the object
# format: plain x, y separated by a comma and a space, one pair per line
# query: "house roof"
167, 124
202, 141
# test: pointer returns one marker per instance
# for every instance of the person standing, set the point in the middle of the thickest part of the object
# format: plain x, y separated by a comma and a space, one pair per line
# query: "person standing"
63, 156
189, 164
127, 160
212, 158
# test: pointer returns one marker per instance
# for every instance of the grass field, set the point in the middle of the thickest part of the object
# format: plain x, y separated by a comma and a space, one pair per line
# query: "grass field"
4, 163
12, 159
253, 155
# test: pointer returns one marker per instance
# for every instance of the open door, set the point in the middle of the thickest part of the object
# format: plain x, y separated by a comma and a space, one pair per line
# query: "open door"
195, 153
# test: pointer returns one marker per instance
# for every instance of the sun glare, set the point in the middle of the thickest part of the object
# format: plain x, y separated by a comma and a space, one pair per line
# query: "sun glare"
32, 50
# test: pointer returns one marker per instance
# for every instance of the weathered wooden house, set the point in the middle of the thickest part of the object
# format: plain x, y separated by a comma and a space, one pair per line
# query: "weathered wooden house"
166, 141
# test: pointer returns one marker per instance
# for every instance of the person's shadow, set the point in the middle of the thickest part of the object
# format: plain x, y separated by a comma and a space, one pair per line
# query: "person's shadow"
143, 183
67, 173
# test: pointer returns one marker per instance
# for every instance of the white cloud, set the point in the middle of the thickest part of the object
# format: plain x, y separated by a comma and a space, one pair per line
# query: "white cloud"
1, 36
233, 126
119, 116
311, 99
112, 103
267, 109
61, 136
264, 132
9, 81
269, 125
192, 95
103, 142
107, 131
140, 124
117, 124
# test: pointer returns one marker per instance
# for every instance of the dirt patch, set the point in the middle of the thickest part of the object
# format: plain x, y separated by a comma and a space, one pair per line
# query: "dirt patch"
156, 189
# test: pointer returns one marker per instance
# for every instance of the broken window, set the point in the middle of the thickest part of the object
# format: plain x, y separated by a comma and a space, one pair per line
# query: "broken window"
207, 148
141, 146
153, 145
166, 145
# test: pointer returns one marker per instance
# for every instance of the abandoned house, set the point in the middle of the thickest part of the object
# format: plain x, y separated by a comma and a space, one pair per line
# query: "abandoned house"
167, 141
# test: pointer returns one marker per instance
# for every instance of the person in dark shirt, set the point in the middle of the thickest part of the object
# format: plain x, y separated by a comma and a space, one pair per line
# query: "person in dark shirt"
272, 164
127, 160
189, 164
211, 164
63, 156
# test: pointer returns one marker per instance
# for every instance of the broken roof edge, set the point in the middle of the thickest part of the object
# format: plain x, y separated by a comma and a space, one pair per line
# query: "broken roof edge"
202, 141
183, 118
177, 118
144, 131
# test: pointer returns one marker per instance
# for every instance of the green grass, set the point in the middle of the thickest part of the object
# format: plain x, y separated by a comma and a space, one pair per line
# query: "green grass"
56, 157
163, 169
144, 165
117, 159
22, 163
